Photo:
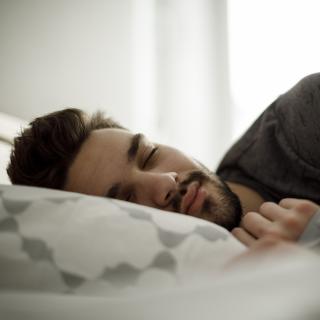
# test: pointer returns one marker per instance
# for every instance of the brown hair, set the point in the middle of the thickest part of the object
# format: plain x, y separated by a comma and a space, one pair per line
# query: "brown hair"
44, 151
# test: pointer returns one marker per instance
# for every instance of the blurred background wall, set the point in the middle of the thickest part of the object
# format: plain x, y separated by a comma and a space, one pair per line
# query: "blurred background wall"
191, 73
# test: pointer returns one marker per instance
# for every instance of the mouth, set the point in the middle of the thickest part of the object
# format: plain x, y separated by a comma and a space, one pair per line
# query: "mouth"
193, 199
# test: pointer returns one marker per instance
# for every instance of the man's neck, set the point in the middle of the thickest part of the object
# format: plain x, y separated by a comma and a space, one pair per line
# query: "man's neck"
250, 199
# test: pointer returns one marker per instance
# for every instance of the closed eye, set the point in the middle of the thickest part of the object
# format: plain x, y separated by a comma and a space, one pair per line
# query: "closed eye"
150, 156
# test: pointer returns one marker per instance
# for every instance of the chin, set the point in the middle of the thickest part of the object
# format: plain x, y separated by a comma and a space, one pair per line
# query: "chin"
222, 207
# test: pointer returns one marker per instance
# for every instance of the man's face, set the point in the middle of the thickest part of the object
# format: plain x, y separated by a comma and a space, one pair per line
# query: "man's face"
118, 164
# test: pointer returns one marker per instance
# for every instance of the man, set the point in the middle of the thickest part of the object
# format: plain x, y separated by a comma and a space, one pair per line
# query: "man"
277, 157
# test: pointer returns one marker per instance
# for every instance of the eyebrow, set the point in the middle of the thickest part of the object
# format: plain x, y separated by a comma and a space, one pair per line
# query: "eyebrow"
134, 147
131, 155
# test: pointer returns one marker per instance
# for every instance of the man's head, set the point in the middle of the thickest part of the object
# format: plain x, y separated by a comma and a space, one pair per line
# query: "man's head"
95, 155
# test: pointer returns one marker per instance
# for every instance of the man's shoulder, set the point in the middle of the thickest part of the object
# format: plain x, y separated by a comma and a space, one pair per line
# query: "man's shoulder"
304, 94
298, 113
310, 81
311, 78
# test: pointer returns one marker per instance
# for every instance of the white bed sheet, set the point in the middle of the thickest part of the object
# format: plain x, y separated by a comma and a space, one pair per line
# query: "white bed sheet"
59, 252
286, 291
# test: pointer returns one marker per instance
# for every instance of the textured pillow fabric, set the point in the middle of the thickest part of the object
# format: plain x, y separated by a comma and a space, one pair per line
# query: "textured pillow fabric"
57, 241
5, 149
10, 126
70, 256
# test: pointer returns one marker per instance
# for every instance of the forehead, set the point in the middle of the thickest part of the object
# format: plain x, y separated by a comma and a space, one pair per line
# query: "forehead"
102, 158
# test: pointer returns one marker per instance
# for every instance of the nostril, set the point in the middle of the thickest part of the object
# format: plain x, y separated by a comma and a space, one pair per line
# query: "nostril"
168, 195
175, 176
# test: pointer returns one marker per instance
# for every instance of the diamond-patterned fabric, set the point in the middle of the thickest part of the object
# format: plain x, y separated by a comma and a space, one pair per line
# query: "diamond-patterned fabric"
57, 241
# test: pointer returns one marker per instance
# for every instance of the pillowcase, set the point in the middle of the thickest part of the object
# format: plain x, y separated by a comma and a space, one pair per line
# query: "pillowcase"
9, 128
58, 241
5, 150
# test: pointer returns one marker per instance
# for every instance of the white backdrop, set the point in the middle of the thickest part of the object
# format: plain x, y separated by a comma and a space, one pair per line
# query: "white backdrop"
61, 53
191, 73
273, 44
157, 66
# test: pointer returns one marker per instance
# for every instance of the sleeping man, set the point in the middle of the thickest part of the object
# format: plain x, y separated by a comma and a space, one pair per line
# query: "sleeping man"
277, 159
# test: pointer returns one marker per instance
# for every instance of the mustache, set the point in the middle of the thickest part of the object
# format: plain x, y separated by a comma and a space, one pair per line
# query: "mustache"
198, 176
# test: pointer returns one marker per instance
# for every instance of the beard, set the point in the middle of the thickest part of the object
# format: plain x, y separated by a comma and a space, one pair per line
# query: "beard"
221, 205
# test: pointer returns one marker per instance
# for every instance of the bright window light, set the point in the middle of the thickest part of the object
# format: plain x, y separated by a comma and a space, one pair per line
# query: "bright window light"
273, 44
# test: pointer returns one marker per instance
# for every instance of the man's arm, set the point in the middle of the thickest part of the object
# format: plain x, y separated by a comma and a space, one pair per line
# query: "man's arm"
288, 220
281, 148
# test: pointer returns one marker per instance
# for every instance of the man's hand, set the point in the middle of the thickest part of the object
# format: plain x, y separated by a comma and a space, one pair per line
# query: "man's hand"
286, 220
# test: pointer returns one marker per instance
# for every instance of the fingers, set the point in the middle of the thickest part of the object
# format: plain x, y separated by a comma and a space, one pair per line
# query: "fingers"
272, 211
305, 207
255, 224
289, 203
285, 220
243, 236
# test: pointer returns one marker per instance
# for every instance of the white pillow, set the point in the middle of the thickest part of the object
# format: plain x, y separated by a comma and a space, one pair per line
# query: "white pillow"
57, 241
10, 126
5, 149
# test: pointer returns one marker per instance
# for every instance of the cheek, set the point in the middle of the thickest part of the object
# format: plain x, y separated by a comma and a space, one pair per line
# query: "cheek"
176, 161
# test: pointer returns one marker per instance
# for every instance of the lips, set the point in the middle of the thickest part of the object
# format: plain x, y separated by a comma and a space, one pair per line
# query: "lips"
197, 203
193, 199
190, 196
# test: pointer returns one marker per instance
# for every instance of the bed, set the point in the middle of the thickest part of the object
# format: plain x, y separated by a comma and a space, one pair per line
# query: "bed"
66, 255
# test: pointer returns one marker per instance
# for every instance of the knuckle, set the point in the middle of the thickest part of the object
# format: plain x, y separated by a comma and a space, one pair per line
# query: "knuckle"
246, 217
264, 206
274, 234
291, 221
268, 232
263, 230
236, 231
270, 241
306, 207
251, 215
282, 202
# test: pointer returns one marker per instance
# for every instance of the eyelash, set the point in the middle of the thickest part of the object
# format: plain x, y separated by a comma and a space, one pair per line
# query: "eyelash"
151, 154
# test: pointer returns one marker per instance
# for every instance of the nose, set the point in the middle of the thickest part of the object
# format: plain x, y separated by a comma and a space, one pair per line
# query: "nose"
157, 189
